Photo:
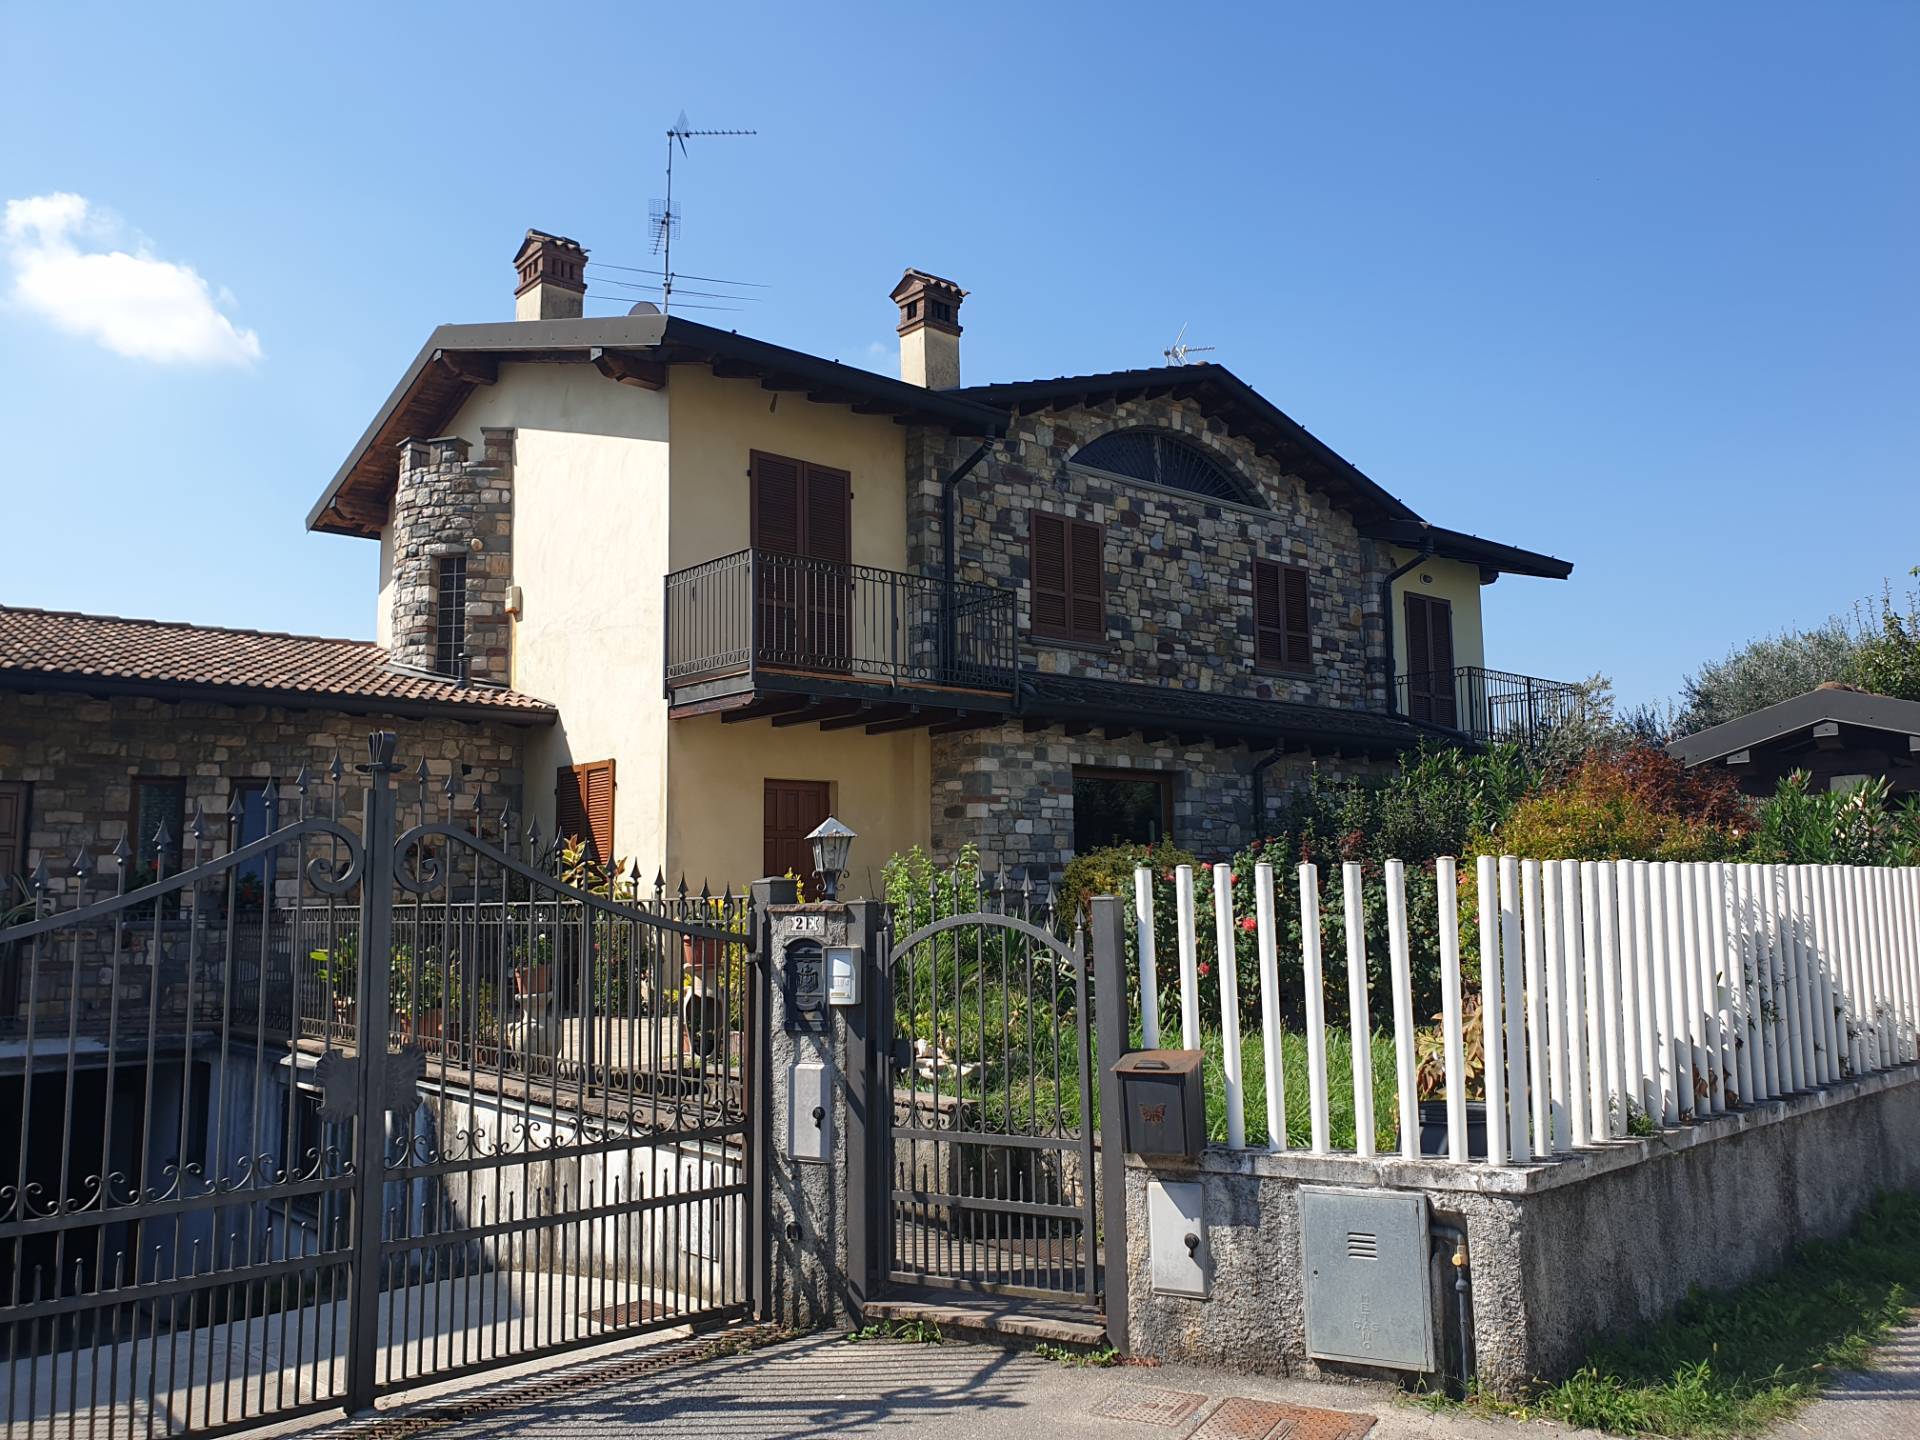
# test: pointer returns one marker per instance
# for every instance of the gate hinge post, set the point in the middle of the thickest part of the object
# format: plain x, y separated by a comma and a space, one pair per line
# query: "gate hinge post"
372, 1003
1110, 1010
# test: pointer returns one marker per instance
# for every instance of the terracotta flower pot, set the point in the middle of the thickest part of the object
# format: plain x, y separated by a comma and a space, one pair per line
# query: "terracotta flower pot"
533, 979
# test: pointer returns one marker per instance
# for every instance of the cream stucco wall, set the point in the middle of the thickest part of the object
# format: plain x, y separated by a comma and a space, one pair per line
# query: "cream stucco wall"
603, 507
880, 783
383, 622
1449, 580
589, 548
881, 786
721, 422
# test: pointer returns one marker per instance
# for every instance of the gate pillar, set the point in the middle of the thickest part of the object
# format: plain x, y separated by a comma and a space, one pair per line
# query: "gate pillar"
817, 1046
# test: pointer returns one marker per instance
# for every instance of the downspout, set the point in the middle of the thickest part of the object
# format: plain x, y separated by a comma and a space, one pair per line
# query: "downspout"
1259, 772
1386, 613
949, 488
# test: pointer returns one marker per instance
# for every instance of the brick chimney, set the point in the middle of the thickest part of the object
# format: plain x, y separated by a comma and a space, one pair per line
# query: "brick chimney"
929, 330
553, 279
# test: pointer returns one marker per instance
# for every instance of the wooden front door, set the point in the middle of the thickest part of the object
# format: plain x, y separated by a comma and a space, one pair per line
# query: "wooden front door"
1430, 679
803, 521
794, 810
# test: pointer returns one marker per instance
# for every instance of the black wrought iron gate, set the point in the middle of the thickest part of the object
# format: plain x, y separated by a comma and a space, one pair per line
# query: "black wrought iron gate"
314, 1118
988, 1180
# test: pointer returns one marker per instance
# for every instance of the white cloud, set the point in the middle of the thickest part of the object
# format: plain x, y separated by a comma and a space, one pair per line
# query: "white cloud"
66, 270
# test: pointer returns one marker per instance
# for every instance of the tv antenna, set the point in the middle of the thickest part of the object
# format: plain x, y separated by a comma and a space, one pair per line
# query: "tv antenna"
663, 218
1178, 352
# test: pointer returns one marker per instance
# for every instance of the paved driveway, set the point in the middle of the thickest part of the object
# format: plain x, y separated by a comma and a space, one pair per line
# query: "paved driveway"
824, 1386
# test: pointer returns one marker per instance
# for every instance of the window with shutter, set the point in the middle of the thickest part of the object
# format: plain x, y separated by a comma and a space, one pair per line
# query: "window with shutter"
1282, 617
583, 806
1067, 570
1430, 678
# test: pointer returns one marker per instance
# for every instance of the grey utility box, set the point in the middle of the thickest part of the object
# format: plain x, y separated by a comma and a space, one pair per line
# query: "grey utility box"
1163, 1107
1177, 1239
810, 1121
1369, 1277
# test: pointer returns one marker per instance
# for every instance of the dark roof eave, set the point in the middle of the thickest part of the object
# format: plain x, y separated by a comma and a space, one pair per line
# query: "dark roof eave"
415, 708
674, 339
1382, 733
1472, 549
1790, 716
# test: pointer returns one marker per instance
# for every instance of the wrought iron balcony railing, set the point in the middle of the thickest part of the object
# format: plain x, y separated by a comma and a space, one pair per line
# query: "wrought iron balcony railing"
1491, 705
759, 610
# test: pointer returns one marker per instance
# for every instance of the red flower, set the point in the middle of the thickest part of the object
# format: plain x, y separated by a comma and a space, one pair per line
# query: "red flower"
1206, 967
1248, 922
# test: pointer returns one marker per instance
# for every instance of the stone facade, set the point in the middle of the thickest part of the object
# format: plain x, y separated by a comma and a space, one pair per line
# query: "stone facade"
1179, 567
82, 755
1011, 793
446, 504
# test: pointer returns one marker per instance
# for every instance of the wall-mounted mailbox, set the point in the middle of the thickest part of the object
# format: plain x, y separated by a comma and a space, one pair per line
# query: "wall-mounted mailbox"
804, 968
1162, 1104
810, 1123
843, 975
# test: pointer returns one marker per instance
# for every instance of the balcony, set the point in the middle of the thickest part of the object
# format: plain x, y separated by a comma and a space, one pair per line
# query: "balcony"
1489, 705
763, 624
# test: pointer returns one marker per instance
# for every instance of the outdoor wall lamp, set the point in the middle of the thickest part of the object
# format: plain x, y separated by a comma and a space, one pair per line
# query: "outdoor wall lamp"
832, 842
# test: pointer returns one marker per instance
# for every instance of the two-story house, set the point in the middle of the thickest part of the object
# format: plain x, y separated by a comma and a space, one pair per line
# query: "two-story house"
759, 586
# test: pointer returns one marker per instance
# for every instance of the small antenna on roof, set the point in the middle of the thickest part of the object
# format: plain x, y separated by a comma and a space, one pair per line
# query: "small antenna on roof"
663, 219
1177, 353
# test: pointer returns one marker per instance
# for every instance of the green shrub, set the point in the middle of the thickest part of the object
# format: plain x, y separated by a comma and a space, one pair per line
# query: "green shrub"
1637, 804
1798, 825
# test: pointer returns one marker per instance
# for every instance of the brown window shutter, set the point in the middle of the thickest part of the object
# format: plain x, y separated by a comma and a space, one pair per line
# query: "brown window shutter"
1047, 536
597, 788
1299, 616
583, 806
1269, 612
1086, 578
776, 503
1419, 640
827, 524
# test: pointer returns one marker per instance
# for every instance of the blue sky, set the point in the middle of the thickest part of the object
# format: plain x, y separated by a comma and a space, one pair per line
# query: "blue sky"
1635, 285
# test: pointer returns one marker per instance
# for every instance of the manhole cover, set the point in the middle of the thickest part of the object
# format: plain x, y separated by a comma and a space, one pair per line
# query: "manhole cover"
1149, 1406
1242, 1419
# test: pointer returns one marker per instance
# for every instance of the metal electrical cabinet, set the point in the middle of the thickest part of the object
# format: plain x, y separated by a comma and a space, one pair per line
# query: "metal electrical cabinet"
1369, 1278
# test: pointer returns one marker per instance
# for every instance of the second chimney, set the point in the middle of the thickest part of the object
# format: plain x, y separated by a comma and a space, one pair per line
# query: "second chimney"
553, 279
929, 330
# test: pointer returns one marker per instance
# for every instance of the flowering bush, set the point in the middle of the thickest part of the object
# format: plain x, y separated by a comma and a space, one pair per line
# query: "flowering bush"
1634, 804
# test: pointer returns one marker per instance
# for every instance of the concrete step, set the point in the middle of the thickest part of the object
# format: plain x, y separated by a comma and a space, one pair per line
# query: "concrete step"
1007, 1320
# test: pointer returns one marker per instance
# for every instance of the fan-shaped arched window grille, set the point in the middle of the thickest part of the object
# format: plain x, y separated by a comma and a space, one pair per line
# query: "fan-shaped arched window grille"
1163, 458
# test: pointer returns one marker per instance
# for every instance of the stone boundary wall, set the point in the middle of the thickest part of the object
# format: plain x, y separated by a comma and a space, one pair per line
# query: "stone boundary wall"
1562, 1254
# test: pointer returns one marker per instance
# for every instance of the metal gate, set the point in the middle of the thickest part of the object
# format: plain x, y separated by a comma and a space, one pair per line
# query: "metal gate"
331, 1113
987, 1177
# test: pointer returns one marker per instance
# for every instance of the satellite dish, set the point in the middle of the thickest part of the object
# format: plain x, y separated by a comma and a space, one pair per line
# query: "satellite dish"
644, 307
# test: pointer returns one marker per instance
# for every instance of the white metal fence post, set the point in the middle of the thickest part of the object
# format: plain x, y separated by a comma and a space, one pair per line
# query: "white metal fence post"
1226, 958
1189, 958
1447, 884
1586, 1025
1492, 1007
1272, 1023
1513, 981
1554, 957
1400, 958
1359, 1024
1314, 992
1143, 947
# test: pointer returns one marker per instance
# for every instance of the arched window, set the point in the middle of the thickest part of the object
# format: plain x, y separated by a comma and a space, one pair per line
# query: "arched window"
1161, 457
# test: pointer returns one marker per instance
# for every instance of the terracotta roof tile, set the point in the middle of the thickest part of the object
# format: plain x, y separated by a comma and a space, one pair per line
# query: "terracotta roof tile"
63, 650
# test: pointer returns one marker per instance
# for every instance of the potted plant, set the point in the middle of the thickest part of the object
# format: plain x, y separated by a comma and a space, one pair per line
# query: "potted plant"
337, 970
1430, 1075
415, 989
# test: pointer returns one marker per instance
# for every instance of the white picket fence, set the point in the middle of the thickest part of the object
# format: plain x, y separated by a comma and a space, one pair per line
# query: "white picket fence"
1609, 990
